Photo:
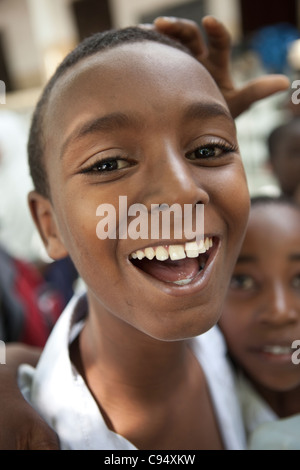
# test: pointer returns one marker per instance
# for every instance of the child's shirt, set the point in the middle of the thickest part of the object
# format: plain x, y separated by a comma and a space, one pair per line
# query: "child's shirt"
264, 429
283, 434
61, 396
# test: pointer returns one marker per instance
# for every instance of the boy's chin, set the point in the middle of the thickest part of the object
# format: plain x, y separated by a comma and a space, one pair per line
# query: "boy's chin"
180, 326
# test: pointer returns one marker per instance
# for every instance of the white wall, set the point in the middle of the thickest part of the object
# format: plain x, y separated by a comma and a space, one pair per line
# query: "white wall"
127, 12
228, 11
20, 48
32, 28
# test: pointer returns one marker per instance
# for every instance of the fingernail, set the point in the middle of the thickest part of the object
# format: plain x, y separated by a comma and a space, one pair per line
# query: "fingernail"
170, 19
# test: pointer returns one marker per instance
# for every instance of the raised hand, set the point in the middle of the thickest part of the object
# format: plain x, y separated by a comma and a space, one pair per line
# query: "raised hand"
214, 54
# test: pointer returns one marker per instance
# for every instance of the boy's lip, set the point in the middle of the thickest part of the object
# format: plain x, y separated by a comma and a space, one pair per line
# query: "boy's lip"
197, 283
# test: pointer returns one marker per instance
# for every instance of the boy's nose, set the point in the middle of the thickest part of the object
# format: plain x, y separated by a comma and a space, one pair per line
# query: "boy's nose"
176, 181
281, 306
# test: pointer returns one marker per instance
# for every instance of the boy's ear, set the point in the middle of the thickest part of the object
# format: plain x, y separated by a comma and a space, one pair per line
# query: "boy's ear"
42, 213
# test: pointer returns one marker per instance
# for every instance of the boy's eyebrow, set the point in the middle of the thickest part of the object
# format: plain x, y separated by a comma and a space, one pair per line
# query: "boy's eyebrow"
206, 110
118, 120
103, 123
294, 257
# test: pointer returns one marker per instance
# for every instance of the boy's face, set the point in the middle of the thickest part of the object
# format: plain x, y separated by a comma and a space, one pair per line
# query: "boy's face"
261, 318
286, 160
144, 121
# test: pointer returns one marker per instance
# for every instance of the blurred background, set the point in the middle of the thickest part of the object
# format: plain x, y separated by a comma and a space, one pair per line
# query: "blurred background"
36, 34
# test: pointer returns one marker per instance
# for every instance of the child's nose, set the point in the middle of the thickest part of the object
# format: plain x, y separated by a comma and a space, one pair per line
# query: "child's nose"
281, 306
176, 181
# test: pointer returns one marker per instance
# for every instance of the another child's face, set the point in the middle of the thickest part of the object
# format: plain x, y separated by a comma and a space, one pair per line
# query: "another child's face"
261, 318
287, 160
146, 121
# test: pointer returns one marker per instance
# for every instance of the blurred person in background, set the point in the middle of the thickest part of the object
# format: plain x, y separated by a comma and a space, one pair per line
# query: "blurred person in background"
29, 307
261, 324
33, 291
17, 231
284, 157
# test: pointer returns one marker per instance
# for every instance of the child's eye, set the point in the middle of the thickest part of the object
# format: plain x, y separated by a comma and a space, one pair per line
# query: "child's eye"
242, 282
210, 151
296, 281
107, 165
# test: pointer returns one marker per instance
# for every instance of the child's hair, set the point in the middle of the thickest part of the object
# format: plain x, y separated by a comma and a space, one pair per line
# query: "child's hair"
277, 133
269, 200
89, 46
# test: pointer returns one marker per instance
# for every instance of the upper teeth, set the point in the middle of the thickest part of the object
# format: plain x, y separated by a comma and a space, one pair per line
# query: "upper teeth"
174, 252
277, 349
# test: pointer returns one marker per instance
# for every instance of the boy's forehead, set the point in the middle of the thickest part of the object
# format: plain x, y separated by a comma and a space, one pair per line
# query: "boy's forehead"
137, 54
130, 77
148, 58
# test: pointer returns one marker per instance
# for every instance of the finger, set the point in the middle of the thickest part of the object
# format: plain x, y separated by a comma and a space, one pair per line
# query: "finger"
48, 444
256, 90
184, 30
146, 26
42, 437
218, 35
218, 41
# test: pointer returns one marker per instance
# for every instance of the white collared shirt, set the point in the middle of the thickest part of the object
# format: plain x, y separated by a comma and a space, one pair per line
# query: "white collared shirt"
60, 395
264, 429
255, 409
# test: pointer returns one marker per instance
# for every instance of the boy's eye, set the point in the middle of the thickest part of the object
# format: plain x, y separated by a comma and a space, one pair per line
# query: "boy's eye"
209, 151
242, 282
107, 165
296, 281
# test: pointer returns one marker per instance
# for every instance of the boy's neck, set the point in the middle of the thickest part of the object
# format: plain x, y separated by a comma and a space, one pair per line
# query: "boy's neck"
157, 399
128, 357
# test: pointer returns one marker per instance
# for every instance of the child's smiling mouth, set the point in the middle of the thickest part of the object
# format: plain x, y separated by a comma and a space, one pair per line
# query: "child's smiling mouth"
176, 264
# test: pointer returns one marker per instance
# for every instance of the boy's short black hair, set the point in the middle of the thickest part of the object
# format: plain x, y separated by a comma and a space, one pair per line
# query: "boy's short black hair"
277, 133
89, 46
271, 200
273, 138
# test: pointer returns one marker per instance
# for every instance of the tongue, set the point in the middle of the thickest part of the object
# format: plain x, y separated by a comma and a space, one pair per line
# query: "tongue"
170, 271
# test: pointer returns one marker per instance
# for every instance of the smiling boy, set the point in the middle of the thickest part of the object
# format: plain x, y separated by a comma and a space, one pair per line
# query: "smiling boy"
130, 113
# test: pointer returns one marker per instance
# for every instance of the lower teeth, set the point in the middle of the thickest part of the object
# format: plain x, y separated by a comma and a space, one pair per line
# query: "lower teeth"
183, 282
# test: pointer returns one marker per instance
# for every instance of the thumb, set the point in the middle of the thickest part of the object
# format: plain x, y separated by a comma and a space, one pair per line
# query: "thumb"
49, 443
42, 437
256, 90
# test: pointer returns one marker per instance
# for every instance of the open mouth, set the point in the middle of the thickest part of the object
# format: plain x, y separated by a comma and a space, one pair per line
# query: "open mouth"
177, 264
